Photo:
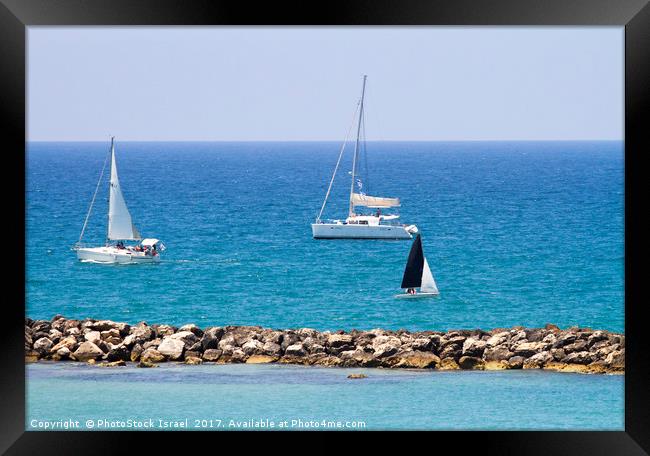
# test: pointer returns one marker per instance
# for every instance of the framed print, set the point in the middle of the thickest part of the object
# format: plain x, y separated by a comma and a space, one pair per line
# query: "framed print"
371, 217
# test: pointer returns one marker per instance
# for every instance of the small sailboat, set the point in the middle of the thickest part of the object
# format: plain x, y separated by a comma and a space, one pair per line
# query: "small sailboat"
120, 229
356, 225
417, 274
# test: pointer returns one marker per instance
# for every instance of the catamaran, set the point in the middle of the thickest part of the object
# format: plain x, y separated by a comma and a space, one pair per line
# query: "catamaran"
417, 274
356, 225
120, 229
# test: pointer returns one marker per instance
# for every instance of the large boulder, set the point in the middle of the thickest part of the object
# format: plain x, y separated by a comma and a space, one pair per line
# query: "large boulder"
211, 337
70, 342
295, 350
187, 337
497, 339
583, 357
538, 360
471, 362
528, 349
498, 353
339, 340
172, 348
417, 360
616, 360
253, 347
211, 355
93, 336
192, 328
118, 353
151, 355
43, 345
87, 351
473, 347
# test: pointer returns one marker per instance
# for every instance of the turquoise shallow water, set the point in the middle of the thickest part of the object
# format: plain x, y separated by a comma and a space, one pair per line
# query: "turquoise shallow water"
516, 233
221, 396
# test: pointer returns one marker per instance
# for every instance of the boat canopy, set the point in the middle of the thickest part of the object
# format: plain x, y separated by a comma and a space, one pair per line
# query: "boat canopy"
359, 199
149, 242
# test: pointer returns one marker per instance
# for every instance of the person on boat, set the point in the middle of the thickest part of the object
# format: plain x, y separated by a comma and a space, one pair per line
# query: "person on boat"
378, 212
410, 291
120, 245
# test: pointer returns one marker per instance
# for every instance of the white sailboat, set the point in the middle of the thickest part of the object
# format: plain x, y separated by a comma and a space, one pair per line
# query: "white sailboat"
120, 229
361, 226
417, 274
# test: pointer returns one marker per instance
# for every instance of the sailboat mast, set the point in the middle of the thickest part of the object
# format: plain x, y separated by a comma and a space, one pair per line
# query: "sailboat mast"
356, 148
108, 215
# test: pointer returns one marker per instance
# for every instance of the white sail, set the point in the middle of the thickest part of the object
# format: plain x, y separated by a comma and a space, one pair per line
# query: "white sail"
428, 284
120, 226
359, 199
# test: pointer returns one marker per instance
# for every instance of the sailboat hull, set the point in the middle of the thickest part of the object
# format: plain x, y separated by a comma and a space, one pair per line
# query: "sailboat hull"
416, 296
112, 255
354, 231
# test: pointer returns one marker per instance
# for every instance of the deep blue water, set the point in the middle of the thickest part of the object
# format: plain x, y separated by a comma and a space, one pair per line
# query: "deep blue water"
519, 233
387, 399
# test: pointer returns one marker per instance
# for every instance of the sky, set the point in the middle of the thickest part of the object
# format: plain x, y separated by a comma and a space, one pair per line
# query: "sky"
286, 84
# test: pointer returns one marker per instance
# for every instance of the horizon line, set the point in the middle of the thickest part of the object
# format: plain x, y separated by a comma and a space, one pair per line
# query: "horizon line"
322, 140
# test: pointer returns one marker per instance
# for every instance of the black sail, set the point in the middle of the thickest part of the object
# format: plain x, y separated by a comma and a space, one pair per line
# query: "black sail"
413, 271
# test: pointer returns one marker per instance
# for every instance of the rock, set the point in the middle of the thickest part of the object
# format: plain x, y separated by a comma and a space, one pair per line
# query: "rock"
43, 345
151, 355
537, 361
417, 360
253, 347
193, 360
385, 350
597, 336
193, 329
497, 339
154, 343
161, 331
105, 325
535, 334
69, 342
93, 336
118, 353
187, 337
146, 364
558, 354
448, 364
295, 350
238, 356
616, 360
353, 376
172, 348
565, 339
136, 351
338, 340
473, 347
528, 349
577, 346
327, 361
582, 357
31, 356
271, 349
516, 362
63, 353
261, 359
471, 362
453, 351
211, 354
119, 363
87, 351
495, 365
499, 353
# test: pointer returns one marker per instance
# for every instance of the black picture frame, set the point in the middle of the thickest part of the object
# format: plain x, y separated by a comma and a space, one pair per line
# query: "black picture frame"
634, 15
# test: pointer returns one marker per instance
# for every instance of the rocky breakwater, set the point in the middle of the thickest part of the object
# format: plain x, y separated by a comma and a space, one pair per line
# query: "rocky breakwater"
109, 343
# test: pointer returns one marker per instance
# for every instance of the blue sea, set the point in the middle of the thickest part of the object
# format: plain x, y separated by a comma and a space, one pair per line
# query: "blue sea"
516, 233
226, 397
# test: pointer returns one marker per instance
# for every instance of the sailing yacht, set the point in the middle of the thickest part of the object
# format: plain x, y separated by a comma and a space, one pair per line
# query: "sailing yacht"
120, 229
417, 274
357, 225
